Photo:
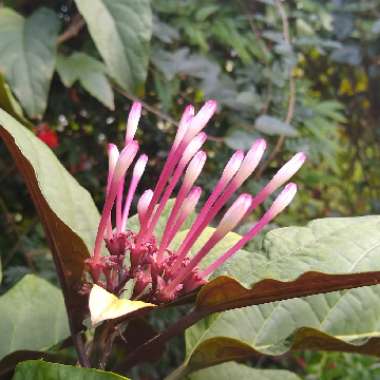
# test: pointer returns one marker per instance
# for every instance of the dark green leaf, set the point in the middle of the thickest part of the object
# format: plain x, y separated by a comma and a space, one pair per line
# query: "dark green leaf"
26, 311
90, 73
27, 57
40, 370
121, 30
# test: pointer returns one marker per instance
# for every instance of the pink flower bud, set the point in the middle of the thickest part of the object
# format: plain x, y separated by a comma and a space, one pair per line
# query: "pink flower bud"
183, 125
191, 201
126, 157
202, 117
193, 147
282, 201
113, 155
143, 203
140, 166
234, 214
133, 121
233, 165
288, 170
251, 160
194, 169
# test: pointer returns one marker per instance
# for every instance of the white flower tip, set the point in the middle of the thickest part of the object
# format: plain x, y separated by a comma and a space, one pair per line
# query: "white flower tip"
283, 199
200, 158
199, 121
194, 145
195, 167
191, 200
301, 157
113, 155
133, 121
126, 157
211, 105
140, 166
195, 193
233, 165
189, 111
135, 109
259, 145
143, 202
234, 214
184, 125
288, 170
251, 160
206, 112
112, 148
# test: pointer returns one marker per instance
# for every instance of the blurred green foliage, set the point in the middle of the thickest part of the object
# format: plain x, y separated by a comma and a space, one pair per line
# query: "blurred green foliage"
304, 74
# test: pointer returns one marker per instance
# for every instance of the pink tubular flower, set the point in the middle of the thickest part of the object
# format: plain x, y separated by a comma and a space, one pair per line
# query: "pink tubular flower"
159, 273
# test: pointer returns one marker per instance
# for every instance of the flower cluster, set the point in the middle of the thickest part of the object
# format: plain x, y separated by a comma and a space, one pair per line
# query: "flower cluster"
158, 273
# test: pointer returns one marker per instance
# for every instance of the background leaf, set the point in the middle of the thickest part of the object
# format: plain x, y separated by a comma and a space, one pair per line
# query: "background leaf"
121, 30
27, 309
27, 58
67, 211
233, 370
90, 73
273, 126
38, 369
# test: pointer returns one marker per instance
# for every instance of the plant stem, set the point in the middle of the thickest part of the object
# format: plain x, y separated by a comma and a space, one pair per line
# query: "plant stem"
81, 350
158, 340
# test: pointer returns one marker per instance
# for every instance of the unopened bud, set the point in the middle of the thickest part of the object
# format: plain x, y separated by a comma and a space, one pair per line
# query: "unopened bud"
283, 200
202, 117
233, 165
288, 170
195, 167
140, 166
133, 121
191, 201
143, 203
183, 125
193, 147
251, 160
234, 214
126, 157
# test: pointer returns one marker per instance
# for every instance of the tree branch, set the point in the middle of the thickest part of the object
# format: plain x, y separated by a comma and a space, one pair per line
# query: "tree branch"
76, 25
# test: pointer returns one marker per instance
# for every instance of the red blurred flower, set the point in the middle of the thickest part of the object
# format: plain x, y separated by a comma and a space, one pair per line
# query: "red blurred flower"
47, 135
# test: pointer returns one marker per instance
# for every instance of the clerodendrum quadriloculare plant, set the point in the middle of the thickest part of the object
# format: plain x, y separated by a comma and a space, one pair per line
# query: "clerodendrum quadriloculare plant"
144, 259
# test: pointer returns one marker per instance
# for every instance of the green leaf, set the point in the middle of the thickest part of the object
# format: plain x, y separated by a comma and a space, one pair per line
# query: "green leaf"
273, 126
67, 211
28, 48
9, 104
41, 370
233, 370
121, 30
26, 310
90, 73
345, 320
